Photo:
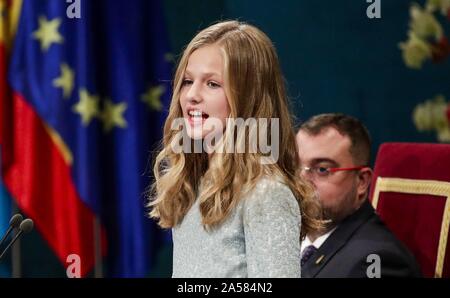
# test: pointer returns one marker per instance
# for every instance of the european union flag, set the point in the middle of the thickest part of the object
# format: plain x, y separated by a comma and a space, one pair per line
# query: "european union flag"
98, 75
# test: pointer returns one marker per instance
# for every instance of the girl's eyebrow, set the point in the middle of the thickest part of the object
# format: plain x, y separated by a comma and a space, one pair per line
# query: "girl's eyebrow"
206, 74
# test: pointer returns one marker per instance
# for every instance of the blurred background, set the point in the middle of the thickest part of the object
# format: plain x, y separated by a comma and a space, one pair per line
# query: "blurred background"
85, 85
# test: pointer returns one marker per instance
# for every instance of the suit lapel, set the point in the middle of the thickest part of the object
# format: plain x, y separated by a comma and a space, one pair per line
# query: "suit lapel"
337, 240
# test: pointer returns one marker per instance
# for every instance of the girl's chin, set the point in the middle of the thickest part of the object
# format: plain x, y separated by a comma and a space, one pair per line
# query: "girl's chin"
196, 133
201, 132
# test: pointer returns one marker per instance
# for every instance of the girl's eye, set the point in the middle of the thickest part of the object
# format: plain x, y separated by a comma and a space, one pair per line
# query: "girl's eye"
186, 82
213, 84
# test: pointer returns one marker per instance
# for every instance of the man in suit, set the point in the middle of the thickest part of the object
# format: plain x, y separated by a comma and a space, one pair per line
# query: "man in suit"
334, 151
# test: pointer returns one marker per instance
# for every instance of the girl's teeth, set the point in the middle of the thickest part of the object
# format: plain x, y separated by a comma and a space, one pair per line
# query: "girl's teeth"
195, 113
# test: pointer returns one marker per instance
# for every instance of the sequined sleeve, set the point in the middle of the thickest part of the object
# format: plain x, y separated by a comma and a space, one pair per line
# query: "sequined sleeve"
272, 231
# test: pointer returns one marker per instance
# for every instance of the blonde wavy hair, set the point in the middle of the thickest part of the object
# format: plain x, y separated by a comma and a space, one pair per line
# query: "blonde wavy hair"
255, 88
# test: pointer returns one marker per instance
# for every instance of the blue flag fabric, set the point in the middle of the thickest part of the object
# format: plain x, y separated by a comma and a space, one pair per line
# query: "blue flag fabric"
5, 215
102, 82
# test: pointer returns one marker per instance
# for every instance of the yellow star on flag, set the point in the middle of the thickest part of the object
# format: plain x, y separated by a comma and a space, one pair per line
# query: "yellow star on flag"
65, 81
153, 97
112, 115
48, 32
87, 107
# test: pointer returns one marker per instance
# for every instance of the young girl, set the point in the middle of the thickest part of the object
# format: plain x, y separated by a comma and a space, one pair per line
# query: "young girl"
231, 214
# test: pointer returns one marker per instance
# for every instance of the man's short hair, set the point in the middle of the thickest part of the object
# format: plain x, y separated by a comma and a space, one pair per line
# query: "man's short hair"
346, 126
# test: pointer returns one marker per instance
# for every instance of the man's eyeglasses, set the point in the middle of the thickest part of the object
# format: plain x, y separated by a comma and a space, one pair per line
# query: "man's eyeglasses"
320, 171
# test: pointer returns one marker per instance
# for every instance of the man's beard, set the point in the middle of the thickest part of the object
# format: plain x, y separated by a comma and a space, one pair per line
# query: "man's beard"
334, 214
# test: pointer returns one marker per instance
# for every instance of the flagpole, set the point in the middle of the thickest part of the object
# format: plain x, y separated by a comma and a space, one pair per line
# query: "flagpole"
98, 269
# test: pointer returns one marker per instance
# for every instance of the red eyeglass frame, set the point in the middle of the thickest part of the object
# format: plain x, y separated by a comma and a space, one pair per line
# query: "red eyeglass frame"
332, 170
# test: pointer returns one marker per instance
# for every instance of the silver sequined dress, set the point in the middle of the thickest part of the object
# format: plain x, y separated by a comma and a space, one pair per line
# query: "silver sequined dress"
260, 238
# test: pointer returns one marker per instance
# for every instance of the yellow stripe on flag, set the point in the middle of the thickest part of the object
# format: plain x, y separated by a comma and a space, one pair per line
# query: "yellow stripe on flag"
9, 18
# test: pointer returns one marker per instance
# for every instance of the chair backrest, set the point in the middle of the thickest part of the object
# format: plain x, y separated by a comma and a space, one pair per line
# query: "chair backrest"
411, 193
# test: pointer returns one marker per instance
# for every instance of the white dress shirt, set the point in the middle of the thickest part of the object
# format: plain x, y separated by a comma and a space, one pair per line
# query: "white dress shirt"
316, 243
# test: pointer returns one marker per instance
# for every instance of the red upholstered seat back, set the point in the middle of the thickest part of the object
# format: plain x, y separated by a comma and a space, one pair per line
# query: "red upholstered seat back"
411, 193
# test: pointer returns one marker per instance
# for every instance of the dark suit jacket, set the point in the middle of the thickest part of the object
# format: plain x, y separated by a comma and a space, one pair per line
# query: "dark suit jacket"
344, 253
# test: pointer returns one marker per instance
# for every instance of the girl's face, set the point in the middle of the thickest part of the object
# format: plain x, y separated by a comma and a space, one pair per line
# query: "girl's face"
202, 97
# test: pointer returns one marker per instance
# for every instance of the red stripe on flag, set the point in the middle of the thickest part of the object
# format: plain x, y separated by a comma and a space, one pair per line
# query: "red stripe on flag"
5, 111
40, 181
